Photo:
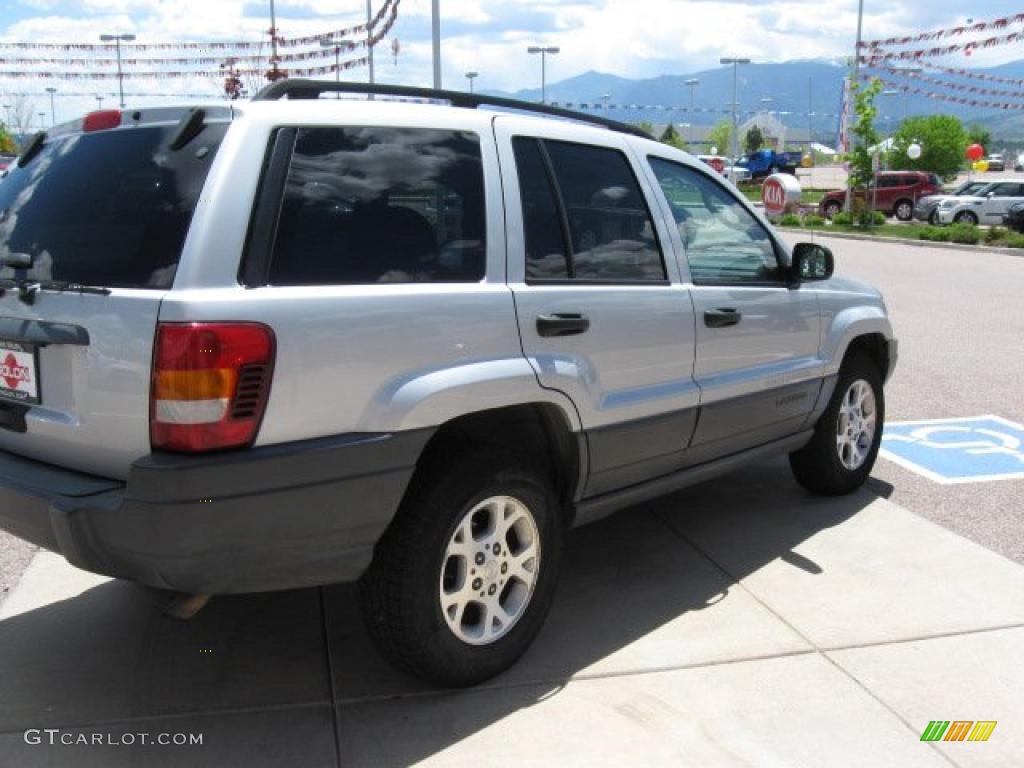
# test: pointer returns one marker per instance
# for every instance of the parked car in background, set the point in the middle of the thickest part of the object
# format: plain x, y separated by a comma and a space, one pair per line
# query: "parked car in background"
765, 162
927, 207
1019, 163
6, 161
988, 205
996, 162
1015, 217
894, 193
735, 173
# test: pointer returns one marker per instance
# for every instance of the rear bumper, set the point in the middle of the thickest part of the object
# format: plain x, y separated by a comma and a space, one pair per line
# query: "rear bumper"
268, 518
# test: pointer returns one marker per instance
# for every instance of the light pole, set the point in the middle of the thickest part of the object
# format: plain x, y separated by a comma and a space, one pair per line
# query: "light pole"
691, 83
42, 121
605, 98
543, 50
435, 40
735, 128
118, 39
336, 45
53, 111
369, 40
471, 76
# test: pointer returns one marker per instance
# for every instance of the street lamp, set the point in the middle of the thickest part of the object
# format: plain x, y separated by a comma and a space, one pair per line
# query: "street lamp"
691, 83
336, 45
471, 76
118, 39
42, 121
605, 98
53, 112
735, 128
543, 50
99, 101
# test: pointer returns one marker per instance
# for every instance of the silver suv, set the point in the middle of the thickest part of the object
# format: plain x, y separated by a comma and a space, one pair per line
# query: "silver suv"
299, 341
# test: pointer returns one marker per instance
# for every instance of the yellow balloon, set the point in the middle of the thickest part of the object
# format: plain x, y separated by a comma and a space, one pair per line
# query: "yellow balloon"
981, 165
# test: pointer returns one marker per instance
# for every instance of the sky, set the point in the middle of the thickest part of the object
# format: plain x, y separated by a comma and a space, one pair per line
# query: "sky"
629, 38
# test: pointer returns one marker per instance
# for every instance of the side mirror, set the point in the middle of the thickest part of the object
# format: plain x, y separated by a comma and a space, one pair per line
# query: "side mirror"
811, 262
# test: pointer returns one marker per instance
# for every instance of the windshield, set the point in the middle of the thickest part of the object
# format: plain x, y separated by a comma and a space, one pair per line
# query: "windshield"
110, 208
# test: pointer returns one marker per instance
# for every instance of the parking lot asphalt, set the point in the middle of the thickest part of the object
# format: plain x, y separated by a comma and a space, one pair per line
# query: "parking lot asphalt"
740, 622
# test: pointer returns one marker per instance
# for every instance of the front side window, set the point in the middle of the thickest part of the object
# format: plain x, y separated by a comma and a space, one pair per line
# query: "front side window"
584, 214
724, 243
381, 205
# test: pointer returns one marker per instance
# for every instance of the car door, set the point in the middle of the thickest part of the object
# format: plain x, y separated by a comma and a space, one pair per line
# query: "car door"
998, 201
757, 364
602, 314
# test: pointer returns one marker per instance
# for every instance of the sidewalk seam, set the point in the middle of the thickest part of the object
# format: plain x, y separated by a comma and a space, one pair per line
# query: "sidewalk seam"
817, 649
331, 691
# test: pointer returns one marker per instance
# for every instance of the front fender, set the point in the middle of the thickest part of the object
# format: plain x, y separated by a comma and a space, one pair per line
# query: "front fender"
846, 325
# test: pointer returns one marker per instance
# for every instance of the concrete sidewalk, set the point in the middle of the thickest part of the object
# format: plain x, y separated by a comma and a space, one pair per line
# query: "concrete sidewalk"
738, 623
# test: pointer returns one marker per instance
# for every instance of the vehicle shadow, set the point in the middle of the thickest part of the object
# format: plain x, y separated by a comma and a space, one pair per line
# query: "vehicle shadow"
257, 673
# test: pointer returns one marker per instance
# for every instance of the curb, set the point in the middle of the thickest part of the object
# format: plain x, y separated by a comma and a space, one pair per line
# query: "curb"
824, 232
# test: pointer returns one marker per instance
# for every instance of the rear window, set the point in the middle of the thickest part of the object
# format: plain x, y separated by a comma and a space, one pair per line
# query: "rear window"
110, 208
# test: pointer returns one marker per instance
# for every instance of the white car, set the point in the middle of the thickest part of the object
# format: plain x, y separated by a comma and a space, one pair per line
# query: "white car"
988, 205
733, 173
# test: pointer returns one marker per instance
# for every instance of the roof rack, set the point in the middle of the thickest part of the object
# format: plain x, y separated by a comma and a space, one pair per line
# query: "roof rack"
311, 89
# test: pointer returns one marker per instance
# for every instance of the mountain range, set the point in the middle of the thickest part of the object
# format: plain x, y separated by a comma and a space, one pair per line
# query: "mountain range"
792, 89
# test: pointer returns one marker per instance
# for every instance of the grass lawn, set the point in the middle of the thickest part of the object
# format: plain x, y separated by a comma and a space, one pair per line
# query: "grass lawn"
963, 234
807, 197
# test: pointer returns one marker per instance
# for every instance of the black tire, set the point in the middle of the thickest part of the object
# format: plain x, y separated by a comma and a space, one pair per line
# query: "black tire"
933, 217
903, 210
966, 217
400, 591
817, 466
831, 209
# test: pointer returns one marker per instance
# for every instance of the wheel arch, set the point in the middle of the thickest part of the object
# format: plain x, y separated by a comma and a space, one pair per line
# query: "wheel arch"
864, 330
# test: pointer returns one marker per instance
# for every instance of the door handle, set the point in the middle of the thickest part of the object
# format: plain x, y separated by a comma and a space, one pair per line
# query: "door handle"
721, 317
562, 324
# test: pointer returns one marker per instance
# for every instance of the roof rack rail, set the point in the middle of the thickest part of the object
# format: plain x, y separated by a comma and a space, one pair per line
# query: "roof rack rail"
311, 89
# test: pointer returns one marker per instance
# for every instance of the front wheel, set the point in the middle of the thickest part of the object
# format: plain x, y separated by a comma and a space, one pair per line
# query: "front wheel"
463, 579
933, 217
966, 217
831, 209
840, 455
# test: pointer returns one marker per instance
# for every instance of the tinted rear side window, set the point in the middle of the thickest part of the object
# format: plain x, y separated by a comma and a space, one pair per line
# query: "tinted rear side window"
110, 208
546, 254
381, 205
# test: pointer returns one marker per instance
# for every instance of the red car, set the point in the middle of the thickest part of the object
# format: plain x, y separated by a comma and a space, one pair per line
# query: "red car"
894, 193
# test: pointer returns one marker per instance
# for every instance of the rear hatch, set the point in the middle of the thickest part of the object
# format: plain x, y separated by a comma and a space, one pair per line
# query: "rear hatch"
93, 220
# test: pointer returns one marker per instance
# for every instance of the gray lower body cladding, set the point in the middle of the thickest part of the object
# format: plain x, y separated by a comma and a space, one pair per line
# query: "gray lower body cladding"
268, 518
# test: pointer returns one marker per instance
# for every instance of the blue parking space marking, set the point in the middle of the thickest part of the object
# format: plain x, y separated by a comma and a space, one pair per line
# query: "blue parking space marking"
971, 450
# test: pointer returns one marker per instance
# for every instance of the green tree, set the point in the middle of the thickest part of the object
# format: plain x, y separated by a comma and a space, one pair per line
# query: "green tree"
754, 139
721, 137
671, 137
979, 134
861, 170
942, 139
646, 126
7, 145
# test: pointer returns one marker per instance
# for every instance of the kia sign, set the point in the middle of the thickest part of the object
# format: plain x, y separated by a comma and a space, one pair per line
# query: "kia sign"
780, 193
717, 163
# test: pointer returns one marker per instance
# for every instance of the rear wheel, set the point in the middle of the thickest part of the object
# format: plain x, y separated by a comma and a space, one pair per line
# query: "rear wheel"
904, 210
966, 217
831, 209
462, 581
839, 457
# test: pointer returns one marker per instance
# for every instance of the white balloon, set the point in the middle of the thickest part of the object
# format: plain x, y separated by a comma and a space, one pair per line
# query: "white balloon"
914, 151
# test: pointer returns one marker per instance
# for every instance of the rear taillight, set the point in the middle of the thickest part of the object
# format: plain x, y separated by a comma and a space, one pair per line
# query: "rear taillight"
210, 385
101, 121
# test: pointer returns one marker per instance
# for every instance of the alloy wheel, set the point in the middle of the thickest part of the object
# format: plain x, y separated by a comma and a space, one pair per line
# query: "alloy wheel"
855, 429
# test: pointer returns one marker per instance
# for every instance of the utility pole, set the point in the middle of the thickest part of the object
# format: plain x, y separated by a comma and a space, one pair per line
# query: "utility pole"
369, 39
691, 83
854, 87
543, 51
435, 35
118, 39
735, 126
53, 109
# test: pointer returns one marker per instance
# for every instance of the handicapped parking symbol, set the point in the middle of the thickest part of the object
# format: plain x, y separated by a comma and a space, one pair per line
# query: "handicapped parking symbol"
968, 450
